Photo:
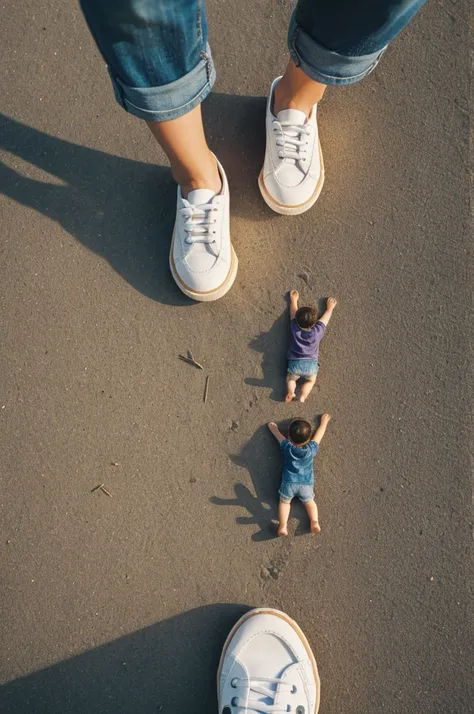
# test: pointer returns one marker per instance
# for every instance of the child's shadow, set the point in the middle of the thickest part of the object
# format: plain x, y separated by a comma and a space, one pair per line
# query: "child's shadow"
261, 457
273, 346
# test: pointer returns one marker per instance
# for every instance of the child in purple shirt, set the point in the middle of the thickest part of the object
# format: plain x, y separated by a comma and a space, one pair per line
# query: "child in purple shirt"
306, 334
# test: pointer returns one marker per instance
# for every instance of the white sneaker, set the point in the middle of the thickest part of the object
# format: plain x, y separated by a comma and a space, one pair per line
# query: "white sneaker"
202, 259
267, 667
293, 172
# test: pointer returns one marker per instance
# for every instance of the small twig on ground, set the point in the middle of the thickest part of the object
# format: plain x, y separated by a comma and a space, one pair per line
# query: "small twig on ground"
206, 389
101, 487
191, 361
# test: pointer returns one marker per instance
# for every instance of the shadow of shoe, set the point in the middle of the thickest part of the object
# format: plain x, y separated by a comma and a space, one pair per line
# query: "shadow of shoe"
170, 666
124, 210
118, 208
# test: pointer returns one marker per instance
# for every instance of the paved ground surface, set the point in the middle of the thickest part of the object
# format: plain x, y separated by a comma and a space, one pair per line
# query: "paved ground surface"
121, 604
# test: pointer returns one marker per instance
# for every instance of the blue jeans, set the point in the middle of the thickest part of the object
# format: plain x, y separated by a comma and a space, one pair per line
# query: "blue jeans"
160, 63
302, 368
303, 491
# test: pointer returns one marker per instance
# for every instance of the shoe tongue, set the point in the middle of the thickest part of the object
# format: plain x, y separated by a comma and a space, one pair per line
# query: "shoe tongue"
200, 196
292, 116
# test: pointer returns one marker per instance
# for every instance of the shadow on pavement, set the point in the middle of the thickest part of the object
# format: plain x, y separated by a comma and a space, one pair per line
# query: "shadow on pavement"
169, 667
261, 457
122, 209
119, 209
273, 346
235, 128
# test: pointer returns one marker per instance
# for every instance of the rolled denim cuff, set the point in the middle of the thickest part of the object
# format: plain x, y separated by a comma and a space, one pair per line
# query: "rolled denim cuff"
169, 101
326, 66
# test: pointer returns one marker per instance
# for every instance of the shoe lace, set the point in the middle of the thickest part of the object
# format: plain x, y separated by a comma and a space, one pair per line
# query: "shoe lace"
292, 140
255, 685
198, 222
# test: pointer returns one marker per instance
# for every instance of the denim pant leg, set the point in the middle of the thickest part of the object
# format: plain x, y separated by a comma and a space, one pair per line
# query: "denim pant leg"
156, 51
339, 42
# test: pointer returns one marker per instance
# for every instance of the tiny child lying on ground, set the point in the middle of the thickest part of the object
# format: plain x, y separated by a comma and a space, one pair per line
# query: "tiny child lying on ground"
306, 334
297, 479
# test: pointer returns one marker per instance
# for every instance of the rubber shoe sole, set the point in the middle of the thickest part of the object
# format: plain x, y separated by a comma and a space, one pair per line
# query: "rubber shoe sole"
210, 295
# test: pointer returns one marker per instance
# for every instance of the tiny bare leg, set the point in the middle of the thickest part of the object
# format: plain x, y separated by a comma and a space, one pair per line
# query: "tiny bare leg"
306, 388
291, 387
312, 511
283, 513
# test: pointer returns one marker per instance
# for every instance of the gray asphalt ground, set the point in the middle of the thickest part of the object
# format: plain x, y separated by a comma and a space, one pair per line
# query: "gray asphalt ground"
121, 605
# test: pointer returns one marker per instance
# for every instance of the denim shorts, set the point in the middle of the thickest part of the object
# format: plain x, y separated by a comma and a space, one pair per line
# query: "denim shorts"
160, 63
289, 490
302, 368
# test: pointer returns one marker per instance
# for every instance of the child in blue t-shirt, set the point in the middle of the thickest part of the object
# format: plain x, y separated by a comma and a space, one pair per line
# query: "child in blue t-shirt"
297, 480
306, 334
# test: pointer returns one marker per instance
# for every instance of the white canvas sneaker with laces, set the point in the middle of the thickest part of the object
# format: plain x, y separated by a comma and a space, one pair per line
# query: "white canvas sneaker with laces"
293, 172
267, 667
202, 259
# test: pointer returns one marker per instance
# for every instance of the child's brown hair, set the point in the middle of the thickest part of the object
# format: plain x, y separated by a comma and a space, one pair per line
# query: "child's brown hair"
300, 431
306, 317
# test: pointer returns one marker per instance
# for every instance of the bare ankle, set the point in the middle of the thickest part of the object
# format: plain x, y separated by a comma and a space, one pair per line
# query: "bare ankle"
296, 90
196, 183
284, 101
205, 176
